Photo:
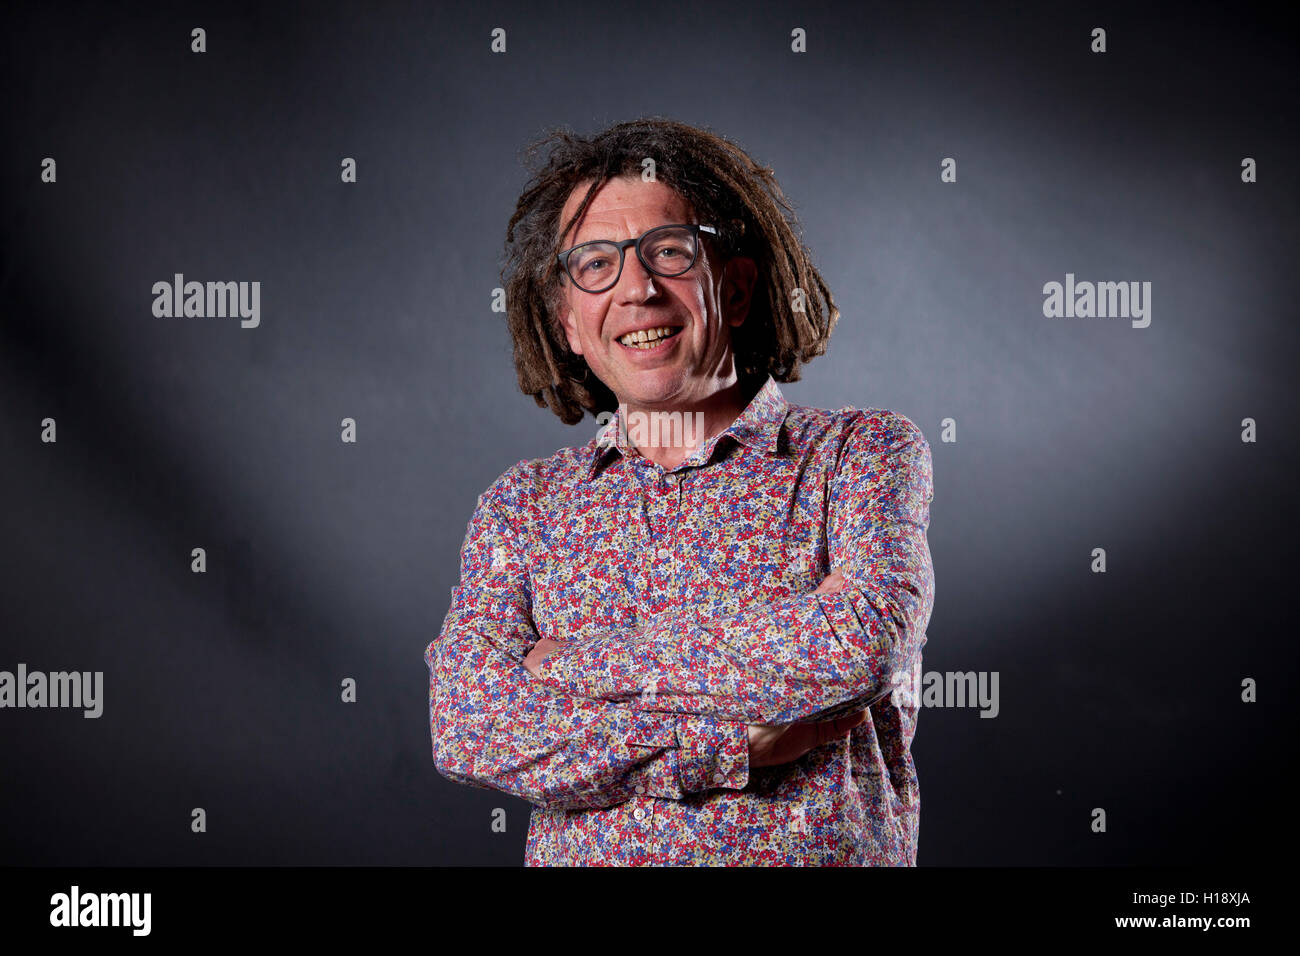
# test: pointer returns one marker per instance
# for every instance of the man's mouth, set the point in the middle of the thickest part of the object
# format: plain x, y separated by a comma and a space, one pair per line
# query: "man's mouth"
649, 338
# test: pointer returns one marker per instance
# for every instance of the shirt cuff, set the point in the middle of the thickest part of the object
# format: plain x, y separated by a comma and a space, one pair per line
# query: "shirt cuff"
711, 753
551, 670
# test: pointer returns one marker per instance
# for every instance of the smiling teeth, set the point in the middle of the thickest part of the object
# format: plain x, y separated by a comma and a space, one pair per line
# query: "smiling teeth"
647, 337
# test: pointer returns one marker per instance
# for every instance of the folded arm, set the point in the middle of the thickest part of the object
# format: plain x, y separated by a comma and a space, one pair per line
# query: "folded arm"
496, 726
810, 656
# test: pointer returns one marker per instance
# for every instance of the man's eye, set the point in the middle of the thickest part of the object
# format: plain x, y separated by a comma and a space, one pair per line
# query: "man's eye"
669, 252
591, 264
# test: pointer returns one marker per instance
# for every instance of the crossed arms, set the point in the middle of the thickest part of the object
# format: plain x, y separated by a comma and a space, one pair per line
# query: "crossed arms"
662, 710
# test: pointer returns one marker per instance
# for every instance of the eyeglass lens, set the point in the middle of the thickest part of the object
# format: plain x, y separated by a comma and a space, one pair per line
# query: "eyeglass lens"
668, 251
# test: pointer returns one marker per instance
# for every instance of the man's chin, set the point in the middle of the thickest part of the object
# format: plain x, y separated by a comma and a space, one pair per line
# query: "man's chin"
647, 389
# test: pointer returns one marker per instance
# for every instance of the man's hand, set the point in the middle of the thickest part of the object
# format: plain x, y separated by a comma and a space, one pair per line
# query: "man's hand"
833, 583
540, 651
773, 745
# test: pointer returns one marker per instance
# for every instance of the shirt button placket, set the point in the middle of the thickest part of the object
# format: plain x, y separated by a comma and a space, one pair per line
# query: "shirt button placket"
663, 522
669, 495
643, 813
642, 833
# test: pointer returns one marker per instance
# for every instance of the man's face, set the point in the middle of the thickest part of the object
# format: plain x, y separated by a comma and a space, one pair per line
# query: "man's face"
702, 303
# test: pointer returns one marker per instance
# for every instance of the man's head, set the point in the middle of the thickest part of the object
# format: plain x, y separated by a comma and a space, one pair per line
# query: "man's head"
700, 304
749, 305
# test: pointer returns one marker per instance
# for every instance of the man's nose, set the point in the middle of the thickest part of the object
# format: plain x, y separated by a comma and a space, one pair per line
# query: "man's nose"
637, 283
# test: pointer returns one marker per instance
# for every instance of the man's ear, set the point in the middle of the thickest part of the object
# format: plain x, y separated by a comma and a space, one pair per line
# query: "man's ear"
738, 278
570, 323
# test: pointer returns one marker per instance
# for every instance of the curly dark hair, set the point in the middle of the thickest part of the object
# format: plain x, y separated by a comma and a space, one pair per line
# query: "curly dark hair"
724, 186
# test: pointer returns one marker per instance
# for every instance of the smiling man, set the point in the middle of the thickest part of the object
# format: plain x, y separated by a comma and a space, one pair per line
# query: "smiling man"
682, 650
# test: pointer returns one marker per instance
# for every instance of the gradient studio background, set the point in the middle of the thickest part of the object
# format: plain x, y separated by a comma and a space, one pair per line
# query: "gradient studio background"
329, 560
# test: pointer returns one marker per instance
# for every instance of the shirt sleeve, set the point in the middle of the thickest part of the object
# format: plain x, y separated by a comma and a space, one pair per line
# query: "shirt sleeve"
806, 657
496, 726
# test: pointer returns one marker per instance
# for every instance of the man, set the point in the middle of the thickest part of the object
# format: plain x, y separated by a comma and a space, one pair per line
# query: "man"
687, 648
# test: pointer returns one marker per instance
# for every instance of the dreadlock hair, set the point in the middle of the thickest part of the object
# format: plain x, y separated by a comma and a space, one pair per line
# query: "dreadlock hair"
724, 186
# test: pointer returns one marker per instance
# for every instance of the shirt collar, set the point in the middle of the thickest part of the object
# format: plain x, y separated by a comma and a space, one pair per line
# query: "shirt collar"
758, 426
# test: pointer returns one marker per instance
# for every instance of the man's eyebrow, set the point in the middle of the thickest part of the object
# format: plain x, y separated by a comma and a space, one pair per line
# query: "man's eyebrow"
578, 242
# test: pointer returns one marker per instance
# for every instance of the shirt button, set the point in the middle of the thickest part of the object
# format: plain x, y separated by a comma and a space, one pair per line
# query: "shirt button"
718, 777
640, 789
664, 553
638, 813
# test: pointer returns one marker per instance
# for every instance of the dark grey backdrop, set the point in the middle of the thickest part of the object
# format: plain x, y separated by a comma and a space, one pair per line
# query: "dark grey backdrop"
329, 560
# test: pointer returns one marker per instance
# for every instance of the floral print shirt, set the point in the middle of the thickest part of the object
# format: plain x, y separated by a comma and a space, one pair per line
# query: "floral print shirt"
683, 601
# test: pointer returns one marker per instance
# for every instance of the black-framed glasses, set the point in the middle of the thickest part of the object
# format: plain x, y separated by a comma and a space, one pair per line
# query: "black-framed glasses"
666, 251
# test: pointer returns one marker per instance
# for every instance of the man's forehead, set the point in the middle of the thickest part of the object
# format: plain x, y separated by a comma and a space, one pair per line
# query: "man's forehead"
620, 201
